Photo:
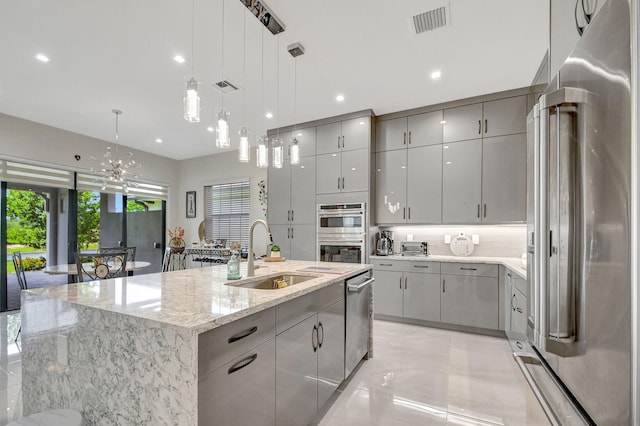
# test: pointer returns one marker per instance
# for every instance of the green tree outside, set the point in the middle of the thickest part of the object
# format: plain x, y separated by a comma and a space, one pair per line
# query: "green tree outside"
88, 219
26, 219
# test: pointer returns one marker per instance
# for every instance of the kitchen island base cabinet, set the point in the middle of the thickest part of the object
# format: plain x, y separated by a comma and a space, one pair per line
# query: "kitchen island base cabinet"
225, 398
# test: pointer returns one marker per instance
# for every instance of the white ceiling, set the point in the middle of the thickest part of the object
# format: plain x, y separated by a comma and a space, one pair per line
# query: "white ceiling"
119, 54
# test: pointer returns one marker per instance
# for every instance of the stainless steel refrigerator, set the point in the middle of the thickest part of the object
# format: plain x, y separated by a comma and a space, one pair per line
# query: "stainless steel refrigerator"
580, 319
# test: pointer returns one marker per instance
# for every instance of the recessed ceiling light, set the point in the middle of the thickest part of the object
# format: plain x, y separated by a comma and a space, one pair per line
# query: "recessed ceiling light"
42, 58
299, 134
362, 123
159, 140
340, 98
179, 59
443, 121
448, 162
210, 129
436, 74
269, 115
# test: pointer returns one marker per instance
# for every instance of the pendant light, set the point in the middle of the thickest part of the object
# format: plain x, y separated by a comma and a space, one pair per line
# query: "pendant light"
223, 139
276, 143
191, 100
244, 151
262, 149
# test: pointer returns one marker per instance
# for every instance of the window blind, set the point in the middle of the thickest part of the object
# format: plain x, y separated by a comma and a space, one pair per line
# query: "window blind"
89, 182
227, 212
12, 171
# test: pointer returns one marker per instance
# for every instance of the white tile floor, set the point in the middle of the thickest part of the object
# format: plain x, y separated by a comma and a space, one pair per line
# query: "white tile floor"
419, 376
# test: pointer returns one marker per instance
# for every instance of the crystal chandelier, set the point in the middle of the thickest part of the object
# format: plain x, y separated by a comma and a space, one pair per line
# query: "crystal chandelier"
114, 172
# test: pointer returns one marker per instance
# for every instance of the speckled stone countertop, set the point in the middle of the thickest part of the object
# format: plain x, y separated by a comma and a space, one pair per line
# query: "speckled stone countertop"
513, 263
196, 299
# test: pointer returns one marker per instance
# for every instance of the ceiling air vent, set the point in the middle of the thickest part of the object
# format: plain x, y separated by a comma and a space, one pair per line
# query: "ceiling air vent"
226, 86
430, 20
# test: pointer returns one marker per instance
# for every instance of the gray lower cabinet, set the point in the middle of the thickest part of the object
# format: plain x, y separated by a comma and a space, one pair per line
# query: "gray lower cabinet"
470, 300
413, 295
309, 358
240, 392
296, 374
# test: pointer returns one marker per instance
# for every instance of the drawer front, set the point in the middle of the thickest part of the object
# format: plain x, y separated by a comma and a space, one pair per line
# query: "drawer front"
219, 346
292, 312
241, 392
473, 269
424, 267
389, 265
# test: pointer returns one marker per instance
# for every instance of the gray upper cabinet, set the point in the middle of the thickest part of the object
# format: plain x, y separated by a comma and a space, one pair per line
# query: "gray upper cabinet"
505, 116
504, 178
462, 181
407, 132
328, 173
279, 183
346, 171
303, 194
391, 186
425, 129
463, 123
424, 184
306, 140
343, 135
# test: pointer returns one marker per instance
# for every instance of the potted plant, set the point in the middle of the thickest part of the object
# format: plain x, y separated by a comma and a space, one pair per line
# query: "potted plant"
176, 241
275, 251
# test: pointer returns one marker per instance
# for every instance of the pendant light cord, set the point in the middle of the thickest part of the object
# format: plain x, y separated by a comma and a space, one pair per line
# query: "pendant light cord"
222, 49
278, 86
244, 60
193, 18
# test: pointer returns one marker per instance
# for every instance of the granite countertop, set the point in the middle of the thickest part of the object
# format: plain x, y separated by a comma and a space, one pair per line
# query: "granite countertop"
513, 263
197, 298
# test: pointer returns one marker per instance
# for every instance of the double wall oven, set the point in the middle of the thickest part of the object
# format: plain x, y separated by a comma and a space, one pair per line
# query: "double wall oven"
342, 233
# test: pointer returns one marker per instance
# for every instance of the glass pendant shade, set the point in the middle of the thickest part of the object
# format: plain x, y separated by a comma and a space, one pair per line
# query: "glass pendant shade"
192, 102
244, 152
295, 152
262, 153
278, 153
222, 129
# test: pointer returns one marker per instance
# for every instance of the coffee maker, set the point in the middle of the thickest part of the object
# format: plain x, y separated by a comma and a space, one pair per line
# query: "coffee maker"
385, 243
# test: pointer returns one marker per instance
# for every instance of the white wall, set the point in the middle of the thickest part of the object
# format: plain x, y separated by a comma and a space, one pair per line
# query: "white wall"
196, 173
30, 141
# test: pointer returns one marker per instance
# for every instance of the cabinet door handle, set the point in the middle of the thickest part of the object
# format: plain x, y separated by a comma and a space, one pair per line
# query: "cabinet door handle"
418, 266
343, 141
479, 127
321, 337
404, 213
509, 274
468, 269
409, 137
291, 215
519, 345
405, 139
485, 210
342, 183
486, 125
338, 142
400, 283
242, 334
288, 233
478, 210
338, 182
443, 280
386, 264
314, 338
513, 308
288, 215
405, 283
242, 363
519, 310
292, 233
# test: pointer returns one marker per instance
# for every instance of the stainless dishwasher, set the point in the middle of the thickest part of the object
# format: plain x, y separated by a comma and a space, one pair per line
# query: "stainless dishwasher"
358, 293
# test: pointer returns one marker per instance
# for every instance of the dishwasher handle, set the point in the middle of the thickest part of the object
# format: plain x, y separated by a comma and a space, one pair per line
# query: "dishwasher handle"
358, 287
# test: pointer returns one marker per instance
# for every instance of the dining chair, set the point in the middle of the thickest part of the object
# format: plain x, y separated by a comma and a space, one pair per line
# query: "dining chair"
22, 279
131, 253
100, 266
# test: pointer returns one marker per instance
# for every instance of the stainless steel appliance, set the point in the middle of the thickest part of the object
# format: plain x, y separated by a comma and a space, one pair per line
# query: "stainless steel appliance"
581, 267
384, 246
414, 248
341, 219
358, 294
342, 233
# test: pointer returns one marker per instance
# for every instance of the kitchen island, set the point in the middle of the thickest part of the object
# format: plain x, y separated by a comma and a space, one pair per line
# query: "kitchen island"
127, 350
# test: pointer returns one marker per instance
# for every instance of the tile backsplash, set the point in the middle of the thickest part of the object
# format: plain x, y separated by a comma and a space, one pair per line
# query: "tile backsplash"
499, 241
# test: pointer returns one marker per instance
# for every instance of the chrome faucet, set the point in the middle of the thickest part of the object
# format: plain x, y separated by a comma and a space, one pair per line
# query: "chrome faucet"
250, 267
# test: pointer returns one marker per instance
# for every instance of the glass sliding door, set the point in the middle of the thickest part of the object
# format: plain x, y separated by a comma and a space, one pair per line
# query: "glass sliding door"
145, 230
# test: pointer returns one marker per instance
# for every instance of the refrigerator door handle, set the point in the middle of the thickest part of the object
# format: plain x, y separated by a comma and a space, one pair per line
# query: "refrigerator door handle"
563, 111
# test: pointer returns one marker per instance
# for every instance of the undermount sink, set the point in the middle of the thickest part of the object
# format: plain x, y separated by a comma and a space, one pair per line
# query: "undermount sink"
267, 283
